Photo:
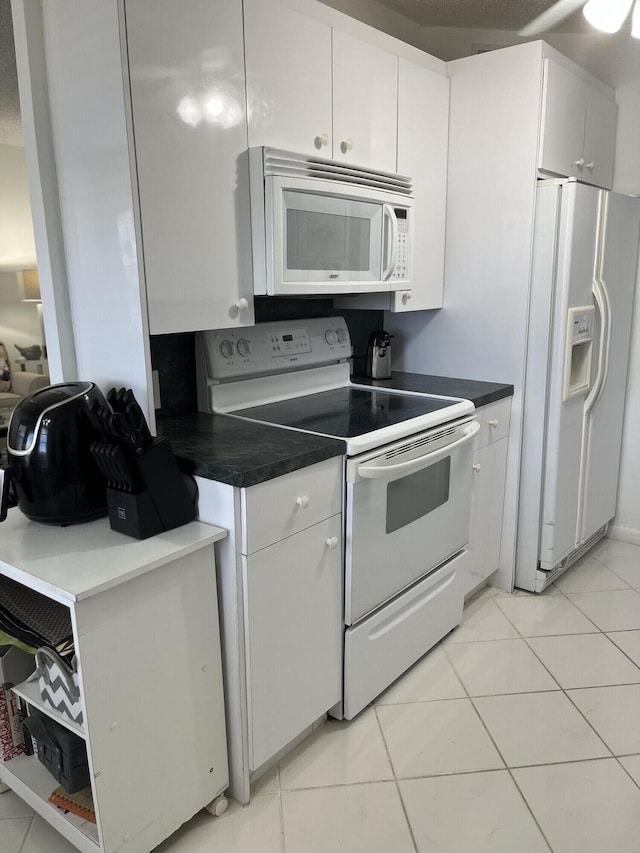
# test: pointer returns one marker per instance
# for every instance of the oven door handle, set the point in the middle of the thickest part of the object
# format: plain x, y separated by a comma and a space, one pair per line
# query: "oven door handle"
371, 471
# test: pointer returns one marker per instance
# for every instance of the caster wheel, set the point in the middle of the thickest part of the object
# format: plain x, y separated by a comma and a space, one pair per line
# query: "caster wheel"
218, 806
4, 788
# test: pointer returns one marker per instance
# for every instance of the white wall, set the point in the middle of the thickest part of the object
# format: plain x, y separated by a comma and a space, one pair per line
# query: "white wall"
17, 247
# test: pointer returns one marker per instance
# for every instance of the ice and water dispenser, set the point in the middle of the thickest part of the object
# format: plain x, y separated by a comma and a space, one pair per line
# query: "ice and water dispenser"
577, 364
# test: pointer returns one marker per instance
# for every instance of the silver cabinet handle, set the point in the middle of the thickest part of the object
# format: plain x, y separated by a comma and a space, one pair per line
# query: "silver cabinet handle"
477, 467
333, 542
303, 501
346, 145
321, 141
579, 163
242, 304
493, 422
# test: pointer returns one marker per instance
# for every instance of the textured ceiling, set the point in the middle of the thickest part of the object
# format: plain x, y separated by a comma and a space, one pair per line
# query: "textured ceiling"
10, 127
483, 14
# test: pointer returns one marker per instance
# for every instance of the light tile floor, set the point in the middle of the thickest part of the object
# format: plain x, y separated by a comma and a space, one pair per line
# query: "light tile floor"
519, 732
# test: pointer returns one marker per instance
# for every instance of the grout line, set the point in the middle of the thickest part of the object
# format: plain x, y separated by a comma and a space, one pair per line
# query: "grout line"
506, 767
26, 835
283, 840
395, 780
597, 629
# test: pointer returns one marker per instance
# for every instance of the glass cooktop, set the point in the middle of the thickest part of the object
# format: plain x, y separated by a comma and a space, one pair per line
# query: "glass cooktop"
345, 412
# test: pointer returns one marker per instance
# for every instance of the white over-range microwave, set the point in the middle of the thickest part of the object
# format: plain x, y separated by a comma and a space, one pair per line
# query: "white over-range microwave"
323, 227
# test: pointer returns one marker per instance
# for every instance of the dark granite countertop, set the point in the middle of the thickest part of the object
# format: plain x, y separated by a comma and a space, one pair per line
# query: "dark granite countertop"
241, 453
480, 393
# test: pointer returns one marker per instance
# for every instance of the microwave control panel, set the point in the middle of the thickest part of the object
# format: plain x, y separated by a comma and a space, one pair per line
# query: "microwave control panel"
401, 269
273, 347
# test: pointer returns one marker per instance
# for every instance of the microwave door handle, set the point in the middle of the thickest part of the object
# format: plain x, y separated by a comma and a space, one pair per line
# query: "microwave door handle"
390, 242
371, 471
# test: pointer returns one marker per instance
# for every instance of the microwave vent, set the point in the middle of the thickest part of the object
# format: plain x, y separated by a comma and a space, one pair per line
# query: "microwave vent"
287, 164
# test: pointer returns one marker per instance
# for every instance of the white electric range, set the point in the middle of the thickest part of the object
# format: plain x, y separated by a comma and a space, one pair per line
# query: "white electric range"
408, 482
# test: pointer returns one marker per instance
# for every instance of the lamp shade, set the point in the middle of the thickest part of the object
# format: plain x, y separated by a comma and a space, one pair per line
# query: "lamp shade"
29, 285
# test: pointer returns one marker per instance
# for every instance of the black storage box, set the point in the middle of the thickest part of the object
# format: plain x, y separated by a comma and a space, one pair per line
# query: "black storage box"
62, 752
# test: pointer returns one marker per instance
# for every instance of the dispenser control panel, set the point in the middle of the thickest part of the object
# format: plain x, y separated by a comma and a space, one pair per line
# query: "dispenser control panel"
582, 324
578, 354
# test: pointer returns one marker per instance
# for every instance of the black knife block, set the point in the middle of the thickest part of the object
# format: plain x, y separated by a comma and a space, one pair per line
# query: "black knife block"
163, 501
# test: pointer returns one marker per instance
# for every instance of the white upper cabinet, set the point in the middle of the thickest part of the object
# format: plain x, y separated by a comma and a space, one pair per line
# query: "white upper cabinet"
578, 130
314, 89
600, 139
423, 128
288, 67
365, 103
186, 66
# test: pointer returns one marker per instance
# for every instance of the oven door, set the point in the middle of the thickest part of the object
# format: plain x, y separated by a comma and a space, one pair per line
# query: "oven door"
324, 238
408, 510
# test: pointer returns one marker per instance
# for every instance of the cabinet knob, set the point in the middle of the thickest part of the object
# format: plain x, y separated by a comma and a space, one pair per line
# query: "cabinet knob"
242, 304
332, 542
493, 422
321, 141
477, 467
346, 145
303, 502
591, 165
406, 296
579, 163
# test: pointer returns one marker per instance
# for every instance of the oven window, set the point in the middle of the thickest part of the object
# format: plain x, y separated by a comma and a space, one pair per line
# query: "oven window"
416, 495
327, 241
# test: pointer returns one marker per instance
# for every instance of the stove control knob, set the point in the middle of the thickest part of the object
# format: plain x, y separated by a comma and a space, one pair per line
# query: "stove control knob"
244, 346
330, 336
342, 335
226, 348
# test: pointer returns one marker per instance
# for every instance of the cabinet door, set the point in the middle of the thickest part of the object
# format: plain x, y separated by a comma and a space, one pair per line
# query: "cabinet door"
600, 139
288, 67
186, 64
365, 103
294, 626
489, 472
423, 129
564, 104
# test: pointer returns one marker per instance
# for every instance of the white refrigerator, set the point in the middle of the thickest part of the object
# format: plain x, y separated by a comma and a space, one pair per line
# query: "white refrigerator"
585, 252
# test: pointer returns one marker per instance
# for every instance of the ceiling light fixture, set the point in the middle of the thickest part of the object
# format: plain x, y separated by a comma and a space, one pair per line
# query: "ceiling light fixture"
608, 15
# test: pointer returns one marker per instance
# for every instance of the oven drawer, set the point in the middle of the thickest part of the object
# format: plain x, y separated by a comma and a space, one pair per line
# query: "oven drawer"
279, 508
494, 422
381, 647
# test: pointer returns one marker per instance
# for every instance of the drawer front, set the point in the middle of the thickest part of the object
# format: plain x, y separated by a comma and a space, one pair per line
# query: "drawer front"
279, 508
381, 647
494, 422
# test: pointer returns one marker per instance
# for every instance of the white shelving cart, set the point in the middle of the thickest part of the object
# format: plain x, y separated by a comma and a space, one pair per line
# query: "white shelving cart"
144, 616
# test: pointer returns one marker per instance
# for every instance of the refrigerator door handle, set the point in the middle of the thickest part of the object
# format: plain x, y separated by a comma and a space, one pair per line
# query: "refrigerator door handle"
603, 304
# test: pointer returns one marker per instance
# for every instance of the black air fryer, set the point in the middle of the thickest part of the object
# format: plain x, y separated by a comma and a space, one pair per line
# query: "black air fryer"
54, 476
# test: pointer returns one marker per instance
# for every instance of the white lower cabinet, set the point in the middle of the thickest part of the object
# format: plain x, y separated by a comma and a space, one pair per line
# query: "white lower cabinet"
294, 631
282, 610
487, 501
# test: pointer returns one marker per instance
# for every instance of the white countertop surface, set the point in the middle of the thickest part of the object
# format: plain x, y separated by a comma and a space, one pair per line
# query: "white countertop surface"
72, 563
